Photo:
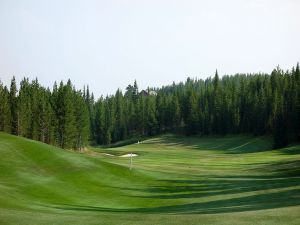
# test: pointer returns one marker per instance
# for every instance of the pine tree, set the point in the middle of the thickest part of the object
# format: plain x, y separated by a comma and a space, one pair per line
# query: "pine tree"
99, 121
280, 137
49, 123
13, 106
140, 115
107, 123
90, 102
297, 102
120, 127
54, 102
35, 110
82, 121
206, 118
131, 122
161, 111
175, 113
66, 116
217, 127
193, 115
24, 108
151, 122
5, 113
135, 91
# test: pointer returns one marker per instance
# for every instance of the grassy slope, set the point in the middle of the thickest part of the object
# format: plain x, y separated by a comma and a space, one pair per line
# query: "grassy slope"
175, 180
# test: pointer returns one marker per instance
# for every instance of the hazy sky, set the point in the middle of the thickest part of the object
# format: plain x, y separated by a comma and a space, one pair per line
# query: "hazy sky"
108, 44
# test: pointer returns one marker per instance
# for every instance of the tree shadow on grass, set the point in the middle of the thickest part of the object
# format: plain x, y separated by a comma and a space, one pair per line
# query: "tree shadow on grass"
227, 194
277, 185
216, 186
228, 144
292, 150
285, 168
238, 204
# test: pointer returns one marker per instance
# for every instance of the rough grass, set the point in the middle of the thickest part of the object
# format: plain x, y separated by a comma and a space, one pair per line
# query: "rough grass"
174, 180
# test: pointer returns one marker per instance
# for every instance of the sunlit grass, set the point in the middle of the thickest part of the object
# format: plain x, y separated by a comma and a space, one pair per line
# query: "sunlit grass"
174, 180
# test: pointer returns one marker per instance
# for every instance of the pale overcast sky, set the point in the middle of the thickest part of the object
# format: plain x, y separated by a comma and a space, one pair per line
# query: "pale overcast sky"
108, 44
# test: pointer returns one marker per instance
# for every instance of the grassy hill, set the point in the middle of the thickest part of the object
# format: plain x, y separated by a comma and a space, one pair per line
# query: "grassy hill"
174, 180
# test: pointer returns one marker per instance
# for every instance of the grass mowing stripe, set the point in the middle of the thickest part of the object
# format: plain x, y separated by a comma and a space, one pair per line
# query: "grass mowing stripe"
174, 180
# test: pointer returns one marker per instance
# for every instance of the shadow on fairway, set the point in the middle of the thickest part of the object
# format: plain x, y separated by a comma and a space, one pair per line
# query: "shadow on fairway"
258, 193
240, 204
231, 145
214, 186
294, 150
278, 186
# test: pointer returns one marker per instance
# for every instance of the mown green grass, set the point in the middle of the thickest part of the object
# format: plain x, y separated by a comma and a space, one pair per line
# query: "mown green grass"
174, 180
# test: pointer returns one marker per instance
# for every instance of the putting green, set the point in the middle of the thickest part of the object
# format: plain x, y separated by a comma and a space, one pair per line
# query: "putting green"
173, 180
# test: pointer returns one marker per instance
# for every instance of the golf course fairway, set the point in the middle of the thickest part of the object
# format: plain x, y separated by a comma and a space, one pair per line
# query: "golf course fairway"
173, 180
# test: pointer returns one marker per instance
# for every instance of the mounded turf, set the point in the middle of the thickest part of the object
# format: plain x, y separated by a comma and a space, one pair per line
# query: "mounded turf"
174, 180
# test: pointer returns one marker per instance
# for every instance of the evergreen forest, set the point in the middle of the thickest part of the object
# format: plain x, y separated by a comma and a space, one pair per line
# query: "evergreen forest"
257, 104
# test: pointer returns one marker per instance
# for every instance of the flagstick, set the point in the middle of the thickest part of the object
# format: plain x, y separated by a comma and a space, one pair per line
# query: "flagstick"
130, 161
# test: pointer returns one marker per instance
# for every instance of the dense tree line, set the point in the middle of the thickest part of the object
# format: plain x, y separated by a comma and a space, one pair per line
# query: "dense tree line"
258, 104
59, 117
